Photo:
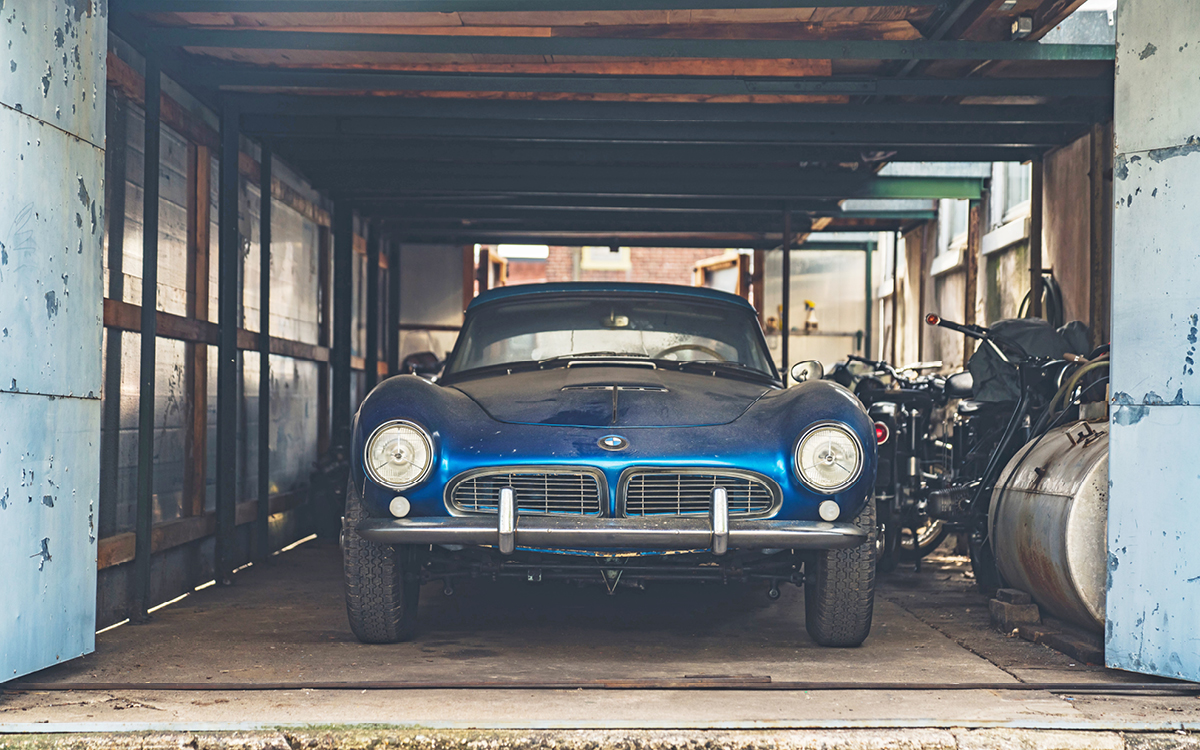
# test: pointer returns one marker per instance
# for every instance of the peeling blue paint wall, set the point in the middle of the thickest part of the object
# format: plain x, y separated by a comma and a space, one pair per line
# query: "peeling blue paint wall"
1154, 504
52, 79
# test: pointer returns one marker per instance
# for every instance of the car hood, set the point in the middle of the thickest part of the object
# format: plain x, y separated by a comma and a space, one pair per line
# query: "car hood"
608, 396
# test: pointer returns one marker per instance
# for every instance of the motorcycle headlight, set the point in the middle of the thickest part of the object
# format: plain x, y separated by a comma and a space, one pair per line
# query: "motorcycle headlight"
829, 457
398, 454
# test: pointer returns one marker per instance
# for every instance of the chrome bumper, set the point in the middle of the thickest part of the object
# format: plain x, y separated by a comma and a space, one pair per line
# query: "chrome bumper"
574, 532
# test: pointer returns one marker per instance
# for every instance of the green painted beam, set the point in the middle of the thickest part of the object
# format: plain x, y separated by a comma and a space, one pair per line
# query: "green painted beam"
924, 188
809, 49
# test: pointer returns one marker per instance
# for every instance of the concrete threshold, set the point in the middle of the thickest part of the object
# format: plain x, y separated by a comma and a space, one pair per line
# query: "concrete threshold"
368, 737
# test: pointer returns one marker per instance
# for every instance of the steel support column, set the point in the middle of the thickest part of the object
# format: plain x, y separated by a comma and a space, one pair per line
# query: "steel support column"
1036, 205
262, 527
867, 323
149, 333
343, 289
392, 330
371, 353
895, 296
228, 292
785, 314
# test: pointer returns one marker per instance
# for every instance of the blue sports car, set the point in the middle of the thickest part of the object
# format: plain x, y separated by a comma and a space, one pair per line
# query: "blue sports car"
616, 434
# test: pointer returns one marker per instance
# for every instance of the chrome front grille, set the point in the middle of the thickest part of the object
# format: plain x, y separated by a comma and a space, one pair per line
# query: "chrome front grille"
557, 491
689, 493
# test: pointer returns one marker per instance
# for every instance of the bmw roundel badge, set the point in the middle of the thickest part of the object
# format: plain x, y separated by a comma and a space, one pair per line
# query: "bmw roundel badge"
613, 443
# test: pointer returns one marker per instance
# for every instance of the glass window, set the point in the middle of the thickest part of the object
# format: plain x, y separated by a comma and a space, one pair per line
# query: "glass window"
1017, 182
534, 330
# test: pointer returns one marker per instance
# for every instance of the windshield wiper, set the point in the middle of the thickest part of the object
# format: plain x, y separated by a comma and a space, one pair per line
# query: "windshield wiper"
726, 366
595, 355
599, 358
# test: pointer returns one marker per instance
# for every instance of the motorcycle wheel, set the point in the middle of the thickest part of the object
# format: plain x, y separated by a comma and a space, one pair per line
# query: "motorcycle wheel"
929, 537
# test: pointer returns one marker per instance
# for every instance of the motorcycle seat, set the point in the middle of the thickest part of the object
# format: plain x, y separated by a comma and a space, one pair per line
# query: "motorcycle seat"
960, 385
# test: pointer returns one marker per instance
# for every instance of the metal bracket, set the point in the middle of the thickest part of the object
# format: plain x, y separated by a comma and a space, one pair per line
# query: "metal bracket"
720, 520
508, 520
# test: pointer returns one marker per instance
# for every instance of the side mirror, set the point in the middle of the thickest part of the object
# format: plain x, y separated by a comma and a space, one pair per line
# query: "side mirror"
807, 370
422, 363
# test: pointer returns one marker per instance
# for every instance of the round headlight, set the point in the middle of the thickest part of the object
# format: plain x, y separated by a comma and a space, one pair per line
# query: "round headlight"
398, 454
829, 458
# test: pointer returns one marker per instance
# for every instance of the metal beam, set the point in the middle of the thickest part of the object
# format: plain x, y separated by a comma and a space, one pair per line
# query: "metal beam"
262, 523
673, 112
678, 182
317, 150
577, 239
477, 6
228, 294
144, 521
374, 207
234, 78
757, 49
598, 222
868, 135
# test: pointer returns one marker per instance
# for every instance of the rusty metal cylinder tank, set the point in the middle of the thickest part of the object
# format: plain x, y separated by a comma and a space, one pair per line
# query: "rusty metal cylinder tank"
1048, 522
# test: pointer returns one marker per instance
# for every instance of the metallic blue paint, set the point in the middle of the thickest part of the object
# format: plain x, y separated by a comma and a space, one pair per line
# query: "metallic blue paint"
606, 287
700, 421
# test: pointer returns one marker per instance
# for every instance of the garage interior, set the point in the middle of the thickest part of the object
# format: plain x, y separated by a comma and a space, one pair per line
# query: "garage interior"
336, 179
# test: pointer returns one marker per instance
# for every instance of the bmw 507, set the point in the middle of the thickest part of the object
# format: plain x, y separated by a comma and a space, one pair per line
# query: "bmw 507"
617, 434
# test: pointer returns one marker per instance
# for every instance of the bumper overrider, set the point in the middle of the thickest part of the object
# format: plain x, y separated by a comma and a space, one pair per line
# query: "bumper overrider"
507, 530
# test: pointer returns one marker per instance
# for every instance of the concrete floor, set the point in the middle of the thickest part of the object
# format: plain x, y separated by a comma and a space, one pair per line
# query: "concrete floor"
284, 621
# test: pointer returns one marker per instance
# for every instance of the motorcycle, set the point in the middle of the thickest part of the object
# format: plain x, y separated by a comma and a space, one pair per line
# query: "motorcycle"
912, 458
1015, 401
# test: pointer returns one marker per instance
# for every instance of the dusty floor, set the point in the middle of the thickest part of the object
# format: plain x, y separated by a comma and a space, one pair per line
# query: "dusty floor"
284, 621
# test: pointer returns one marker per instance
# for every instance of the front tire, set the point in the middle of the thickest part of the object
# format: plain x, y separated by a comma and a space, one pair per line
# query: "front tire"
382, 588
839, 589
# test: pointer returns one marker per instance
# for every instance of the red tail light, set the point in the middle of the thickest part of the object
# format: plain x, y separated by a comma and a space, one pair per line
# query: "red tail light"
882, 433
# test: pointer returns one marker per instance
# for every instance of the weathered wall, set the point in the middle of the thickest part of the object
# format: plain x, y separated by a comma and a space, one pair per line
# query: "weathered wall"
1153, 535
51, 225
1066, 230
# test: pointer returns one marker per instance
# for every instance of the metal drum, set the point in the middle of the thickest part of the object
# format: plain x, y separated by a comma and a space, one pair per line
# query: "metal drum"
1048, 522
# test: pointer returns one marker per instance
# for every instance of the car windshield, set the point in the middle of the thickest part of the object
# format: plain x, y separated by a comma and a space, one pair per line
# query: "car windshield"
611, 327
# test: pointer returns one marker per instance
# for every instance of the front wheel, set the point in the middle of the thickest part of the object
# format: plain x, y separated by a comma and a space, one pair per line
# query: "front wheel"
839, 589
382, 586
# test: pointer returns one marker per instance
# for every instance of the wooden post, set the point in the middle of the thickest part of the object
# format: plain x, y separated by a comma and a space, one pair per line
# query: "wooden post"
195, 471
1035, 238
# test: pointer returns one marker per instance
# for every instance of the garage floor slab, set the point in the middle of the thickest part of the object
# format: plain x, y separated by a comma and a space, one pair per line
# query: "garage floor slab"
284, 621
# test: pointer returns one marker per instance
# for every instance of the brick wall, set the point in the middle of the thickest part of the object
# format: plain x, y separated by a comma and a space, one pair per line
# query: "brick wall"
659, 265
